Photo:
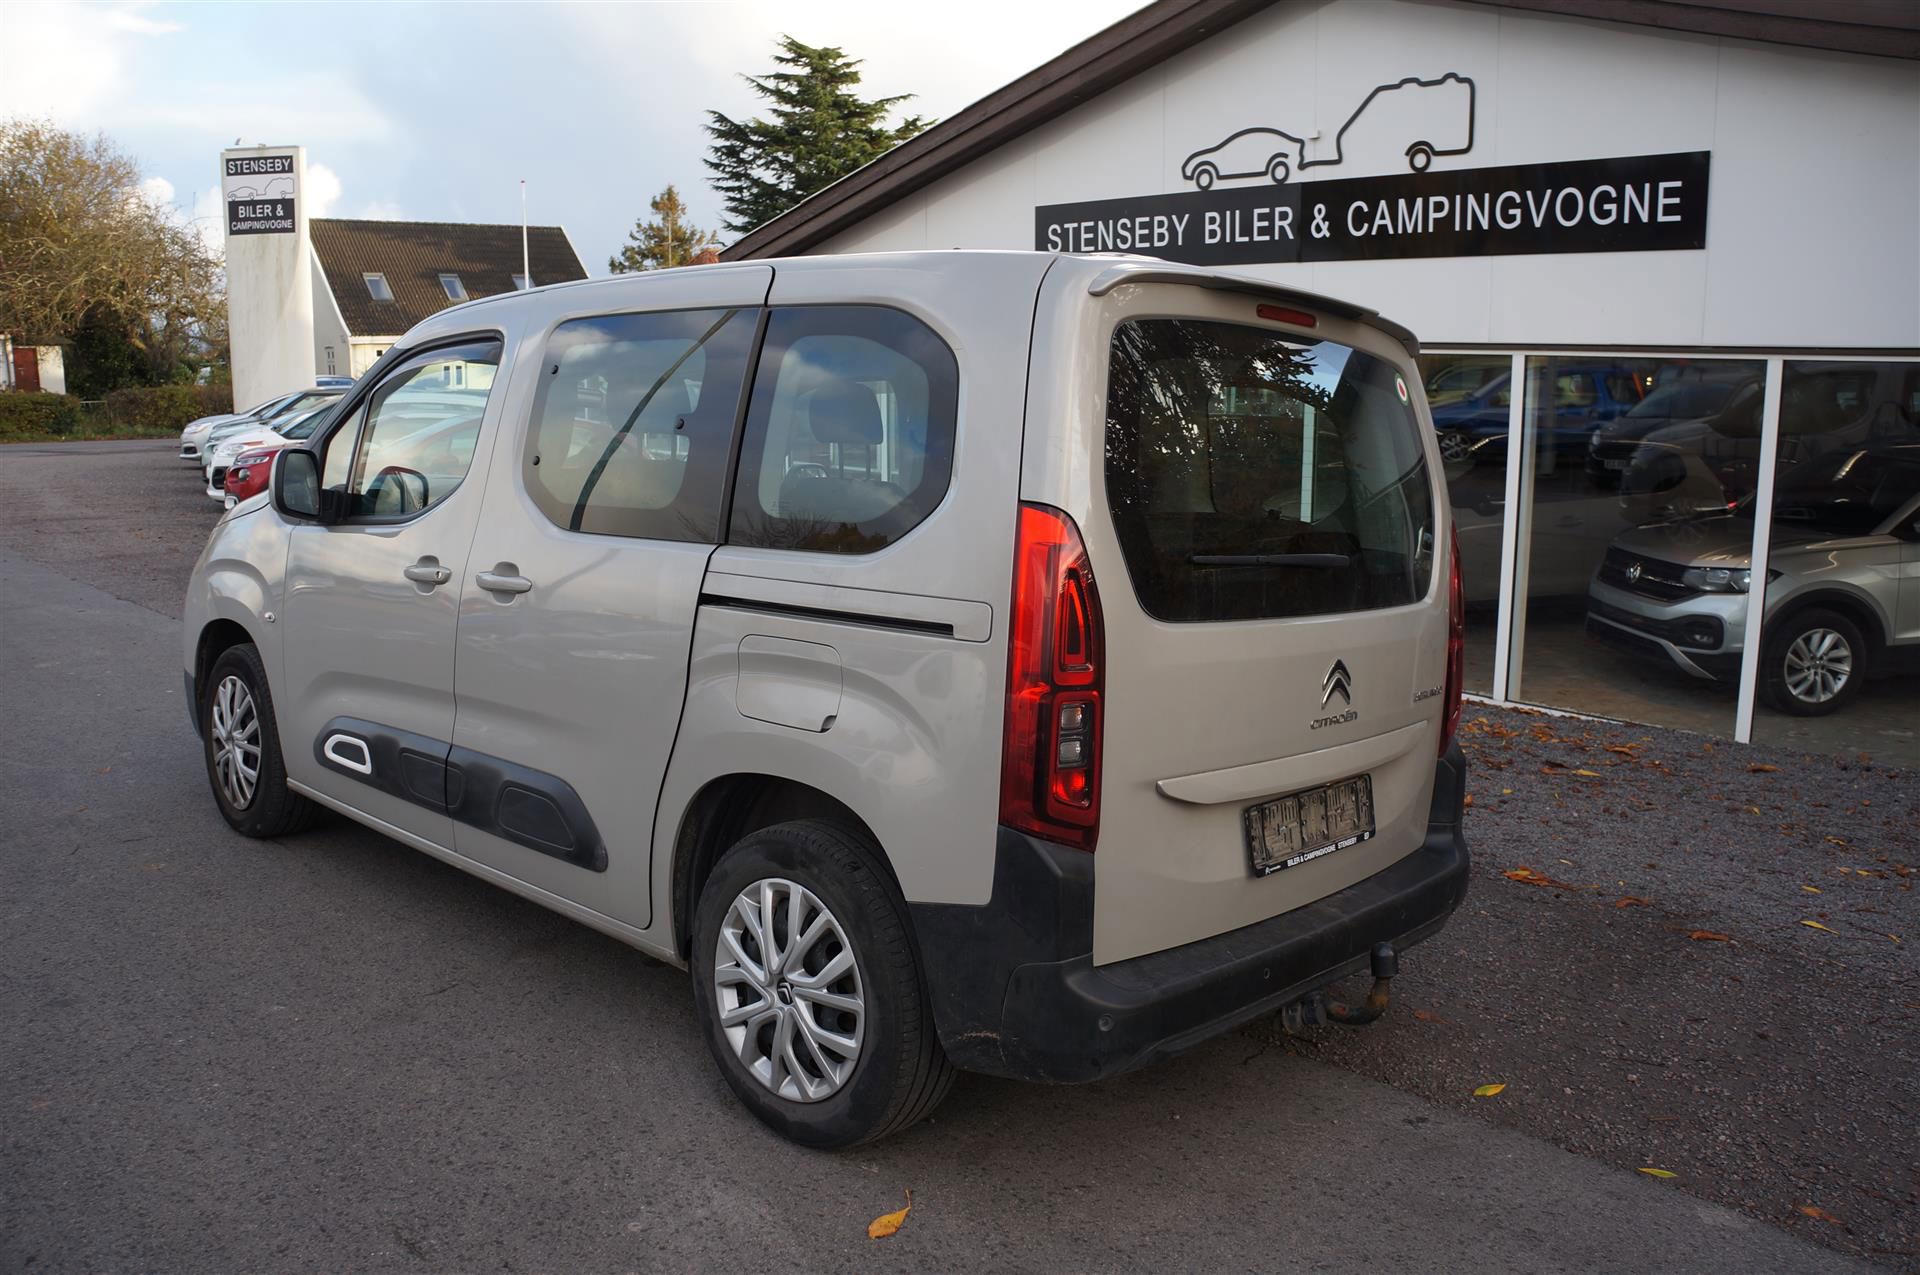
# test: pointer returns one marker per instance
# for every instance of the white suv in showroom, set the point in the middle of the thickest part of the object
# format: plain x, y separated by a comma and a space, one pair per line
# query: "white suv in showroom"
1012, 662
1842, 584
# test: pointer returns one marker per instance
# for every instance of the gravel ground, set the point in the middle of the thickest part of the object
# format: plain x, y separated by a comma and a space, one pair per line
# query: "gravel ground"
1772, 1069
1634, 963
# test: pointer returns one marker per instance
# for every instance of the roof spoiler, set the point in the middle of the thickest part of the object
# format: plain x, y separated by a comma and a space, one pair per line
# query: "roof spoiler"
1161, 272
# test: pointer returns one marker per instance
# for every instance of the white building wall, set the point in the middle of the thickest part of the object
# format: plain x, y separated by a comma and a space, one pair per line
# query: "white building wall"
270, 297
52, 366
1813, 219
329, 328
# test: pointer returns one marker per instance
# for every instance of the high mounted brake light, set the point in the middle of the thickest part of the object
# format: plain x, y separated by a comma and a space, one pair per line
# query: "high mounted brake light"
1050, 769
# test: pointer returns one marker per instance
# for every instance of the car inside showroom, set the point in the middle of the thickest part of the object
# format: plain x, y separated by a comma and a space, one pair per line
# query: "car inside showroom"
1670, 333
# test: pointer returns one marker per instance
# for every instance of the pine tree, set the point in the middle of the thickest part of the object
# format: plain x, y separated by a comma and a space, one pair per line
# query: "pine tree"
666, 241
817, 131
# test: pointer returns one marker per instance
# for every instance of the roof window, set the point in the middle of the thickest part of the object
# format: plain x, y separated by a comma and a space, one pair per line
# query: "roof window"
377, 287
455, 290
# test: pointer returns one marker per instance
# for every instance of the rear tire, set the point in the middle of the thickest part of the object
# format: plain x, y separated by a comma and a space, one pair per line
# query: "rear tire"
1806, 656
239, 734
898, 1072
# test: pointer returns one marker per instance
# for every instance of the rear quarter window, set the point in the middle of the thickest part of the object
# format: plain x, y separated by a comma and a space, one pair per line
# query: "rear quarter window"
1251, 475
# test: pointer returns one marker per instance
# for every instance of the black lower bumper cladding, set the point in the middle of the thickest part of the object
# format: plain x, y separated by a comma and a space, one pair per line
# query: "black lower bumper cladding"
1016, 993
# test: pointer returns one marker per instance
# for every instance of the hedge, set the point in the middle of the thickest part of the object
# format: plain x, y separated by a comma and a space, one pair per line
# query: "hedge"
166, 406
26, 415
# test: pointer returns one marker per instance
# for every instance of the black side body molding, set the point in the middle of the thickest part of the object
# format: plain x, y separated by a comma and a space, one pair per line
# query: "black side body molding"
516, 803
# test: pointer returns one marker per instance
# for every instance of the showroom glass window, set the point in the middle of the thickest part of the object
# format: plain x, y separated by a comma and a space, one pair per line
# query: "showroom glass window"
1470, 397
1618, 510
1840, 643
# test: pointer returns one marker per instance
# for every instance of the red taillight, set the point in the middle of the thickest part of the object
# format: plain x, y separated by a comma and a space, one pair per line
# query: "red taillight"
1050, 768
1456, 644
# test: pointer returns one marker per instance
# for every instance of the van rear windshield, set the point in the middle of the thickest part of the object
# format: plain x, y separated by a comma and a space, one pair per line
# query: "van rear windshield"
1255, 476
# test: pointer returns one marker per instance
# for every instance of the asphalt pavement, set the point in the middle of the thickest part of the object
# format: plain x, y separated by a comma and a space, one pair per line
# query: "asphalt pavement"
332, 1053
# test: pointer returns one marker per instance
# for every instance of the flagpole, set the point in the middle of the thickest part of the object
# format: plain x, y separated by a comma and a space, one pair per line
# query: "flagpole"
526, 271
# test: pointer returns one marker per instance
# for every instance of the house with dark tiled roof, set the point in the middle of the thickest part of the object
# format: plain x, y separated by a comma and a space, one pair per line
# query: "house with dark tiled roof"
372, 280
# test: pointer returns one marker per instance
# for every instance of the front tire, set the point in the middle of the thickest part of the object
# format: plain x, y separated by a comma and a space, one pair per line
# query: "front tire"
240, 739
1815, 663
809, 989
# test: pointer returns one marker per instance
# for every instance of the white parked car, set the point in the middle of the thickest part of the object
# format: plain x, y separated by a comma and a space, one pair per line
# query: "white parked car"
1011, 662
276, 416
195, 437
288, 429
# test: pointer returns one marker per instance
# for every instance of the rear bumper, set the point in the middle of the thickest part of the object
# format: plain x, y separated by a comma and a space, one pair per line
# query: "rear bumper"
1016, 993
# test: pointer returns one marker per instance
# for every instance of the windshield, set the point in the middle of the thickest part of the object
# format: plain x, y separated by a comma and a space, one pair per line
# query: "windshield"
303, 401
1253, 476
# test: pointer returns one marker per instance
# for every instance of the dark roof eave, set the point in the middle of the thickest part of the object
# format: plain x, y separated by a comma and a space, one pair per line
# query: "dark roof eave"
1884, 28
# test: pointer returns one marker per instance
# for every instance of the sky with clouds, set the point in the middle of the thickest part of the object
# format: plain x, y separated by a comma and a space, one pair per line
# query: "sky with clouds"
435, 112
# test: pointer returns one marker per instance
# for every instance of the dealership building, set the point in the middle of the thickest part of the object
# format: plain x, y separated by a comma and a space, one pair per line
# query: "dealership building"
1663, 260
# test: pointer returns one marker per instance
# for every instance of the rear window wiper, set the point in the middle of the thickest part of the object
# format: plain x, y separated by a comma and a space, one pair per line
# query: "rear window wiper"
1328, 561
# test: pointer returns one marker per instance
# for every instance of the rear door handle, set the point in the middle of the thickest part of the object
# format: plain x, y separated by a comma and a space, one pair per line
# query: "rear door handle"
427, 571
494, 582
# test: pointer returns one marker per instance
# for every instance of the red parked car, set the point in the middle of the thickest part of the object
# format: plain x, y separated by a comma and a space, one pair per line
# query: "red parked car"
247, 475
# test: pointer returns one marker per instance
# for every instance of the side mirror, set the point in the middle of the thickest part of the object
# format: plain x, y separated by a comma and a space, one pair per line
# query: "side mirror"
296, 484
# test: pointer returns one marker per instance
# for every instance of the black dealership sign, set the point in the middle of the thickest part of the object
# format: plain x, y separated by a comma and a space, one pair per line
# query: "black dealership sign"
260, 194
1640, 203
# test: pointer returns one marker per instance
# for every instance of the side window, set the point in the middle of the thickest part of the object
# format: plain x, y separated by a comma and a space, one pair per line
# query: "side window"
409, 446
634, 420
849, 437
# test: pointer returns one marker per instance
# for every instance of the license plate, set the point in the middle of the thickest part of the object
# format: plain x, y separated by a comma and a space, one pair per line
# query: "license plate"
1614, 464
1289, 831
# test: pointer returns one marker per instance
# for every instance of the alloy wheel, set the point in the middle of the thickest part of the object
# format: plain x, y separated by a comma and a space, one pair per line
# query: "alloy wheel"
1818, 665
788, 991
236, 742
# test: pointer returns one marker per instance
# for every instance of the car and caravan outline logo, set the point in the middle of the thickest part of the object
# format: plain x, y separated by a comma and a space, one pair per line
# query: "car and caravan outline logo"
1286, 152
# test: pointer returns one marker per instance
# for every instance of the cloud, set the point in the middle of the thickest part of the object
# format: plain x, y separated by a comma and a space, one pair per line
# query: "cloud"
130, 21
382, 210
323, 189
158, 190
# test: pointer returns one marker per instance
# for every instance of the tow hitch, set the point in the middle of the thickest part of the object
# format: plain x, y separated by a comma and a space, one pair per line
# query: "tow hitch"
1316, 1008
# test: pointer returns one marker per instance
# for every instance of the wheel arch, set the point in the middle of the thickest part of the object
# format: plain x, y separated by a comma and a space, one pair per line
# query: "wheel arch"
218, 636
730, 807
1855, 607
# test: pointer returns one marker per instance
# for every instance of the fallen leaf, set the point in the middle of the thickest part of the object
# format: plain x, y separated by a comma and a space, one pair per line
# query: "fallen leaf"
106, 770
1761, 768
1487, 1091
1838, 841
887, 1223
1660, 1173
1815, 925
1819, 1214
1632, 901
1506, 792
1427, 1016
1812, 889
1708, 936
1466, 802
1527, 876
1588, 774
1625, 750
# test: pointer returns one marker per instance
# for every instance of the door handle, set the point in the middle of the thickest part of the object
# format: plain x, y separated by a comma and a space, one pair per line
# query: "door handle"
427, 571
494, 582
